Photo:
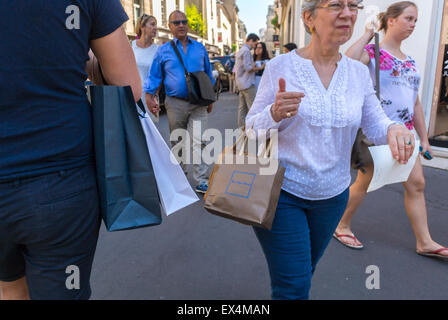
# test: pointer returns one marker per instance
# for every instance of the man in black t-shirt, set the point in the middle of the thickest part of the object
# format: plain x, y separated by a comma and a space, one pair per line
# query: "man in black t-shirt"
49, 210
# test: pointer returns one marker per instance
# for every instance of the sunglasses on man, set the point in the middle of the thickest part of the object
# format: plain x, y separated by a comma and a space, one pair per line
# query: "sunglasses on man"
178, 22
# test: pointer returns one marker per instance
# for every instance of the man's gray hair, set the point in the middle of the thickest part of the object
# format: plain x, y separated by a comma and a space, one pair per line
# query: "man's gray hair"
311, 6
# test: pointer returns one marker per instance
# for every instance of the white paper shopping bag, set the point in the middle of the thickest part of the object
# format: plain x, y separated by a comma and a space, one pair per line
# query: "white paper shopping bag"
174, 189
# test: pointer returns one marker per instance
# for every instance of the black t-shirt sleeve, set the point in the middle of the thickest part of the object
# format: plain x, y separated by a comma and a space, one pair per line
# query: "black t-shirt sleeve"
108, 16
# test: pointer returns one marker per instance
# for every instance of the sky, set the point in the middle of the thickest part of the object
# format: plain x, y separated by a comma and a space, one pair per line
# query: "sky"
253, 13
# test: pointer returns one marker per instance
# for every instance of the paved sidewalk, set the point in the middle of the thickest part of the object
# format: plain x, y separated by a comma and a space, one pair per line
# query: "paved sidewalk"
437, 163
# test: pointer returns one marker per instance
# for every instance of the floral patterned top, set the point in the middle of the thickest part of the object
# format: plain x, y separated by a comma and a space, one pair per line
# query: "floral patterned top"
400, 81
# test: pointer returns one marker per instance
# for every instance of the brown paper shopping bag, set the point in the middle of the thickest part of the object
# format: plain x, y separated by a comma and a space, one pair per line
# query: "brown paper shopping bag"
245, 187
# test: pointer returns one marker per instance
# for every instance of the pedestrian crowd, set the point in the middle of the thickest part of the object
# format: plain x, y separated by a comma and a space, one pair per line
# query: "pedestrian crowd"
316, 97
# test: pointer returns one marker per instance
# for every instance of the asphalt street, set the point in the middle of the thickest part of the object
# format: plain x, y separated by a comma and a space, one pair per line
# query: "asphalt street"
196, 255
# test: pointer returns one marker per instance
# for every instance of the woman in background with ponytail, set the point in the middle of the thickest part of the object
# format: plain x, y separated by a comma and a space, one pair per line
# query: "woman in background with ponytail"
145, 49
400, 80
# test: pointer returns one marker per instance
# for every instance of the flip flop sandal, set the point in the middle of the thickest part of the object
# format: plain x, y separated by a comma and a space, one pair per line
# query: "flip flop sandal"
435, 254
340, 236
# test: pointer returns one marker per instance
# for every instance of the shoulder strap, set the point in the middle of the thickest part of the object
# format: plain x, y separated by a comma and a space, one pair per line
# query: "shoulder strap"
176, 50
187, 74
377, 64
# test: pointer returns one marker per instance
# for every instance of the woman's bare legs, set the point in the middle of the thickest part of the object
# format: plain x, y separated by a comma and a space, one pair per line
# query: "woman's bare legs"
358, 191
415, 204
16, 290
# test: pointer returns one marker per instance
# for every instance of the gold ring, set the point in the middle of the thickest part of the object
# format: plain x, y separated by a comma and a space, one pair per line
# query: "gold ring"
288, 114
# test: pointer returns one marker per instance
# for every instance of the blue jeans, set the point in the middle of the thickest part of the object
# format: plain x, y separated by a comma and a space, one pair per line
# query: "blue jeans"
299, 236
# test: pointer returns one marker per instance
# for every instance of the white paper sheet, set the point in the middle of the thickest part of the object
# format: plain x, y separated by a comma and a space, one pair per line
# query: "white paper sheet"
387, 169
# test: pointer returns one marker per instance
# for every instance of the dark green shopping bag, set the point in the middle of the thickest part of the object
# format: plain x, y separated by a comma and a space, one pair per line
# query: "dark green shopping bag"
126, 181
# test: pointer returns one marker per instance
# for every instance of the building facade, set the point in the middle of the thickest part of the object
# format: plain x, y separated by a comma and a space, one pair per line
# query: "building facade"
242, 33
291, 26
224, 22
270, 32
232, 15
220, 17
160, 9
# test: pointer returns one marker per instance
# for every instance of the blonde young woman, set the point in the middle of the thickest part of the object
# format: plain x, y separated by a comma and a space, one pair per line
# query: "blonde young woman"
400, 81
317, 99
145, 49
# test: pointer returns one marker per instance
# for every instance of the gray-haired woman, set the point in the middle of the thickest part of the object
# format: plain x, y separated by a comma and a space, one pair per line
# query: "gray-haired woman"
317, 98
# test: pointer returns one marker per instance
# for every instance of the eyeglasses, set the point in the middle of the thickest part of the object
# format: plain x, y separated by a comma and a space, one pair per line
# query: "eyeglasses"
178, 22
338, 7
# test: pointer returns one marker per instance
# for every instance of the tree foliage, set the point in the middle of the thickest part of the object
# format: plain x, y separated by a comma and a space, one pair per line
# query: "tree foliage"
274, 22
195, 21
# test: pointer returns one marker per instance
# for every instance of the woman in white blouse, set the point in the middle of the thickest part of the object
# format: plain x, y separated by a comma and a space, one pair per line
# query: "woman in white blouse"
399, 79
145, 49
317, 99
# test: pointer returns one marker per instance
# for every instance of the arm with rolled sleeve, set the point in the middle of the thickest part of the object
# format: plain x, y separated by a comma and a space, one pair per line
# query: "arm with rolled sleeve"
248, 62
374, 123
259, 116
155, 76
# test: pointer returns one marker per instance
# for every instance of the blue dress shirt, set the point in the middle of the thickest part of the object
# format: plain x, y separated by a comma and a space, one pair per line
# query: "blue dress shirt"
167, 61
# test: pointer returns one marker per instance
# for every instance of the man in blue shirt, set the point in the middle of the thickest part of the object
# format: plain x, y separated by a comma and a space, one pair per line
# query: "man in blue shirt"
49, 207
181, 114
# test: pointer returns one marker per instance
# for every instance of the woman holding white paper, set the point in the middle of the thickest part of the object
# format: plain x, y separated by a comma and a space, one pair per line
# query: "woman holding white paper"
399, 85
317, 99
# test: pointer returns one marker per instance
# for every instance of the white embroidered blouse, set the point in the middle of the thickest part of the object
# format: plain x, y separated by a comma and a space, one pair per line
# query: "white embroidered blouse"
315, 145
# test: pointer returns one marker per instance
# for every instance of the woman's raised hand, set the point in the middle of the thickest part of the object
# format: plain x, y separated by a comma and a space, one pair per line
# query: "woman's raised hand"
286, 103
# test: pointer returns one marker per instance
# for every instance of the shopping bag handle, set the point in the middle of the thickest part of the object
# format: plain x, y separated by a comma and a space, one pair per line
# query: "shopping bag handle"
139, 102
265, 149
244, 137
141, 106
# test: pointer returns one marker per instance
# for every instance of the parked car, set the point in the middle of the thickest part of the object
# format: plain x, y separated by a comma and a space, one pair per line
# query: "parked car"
221, 76
227, 61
